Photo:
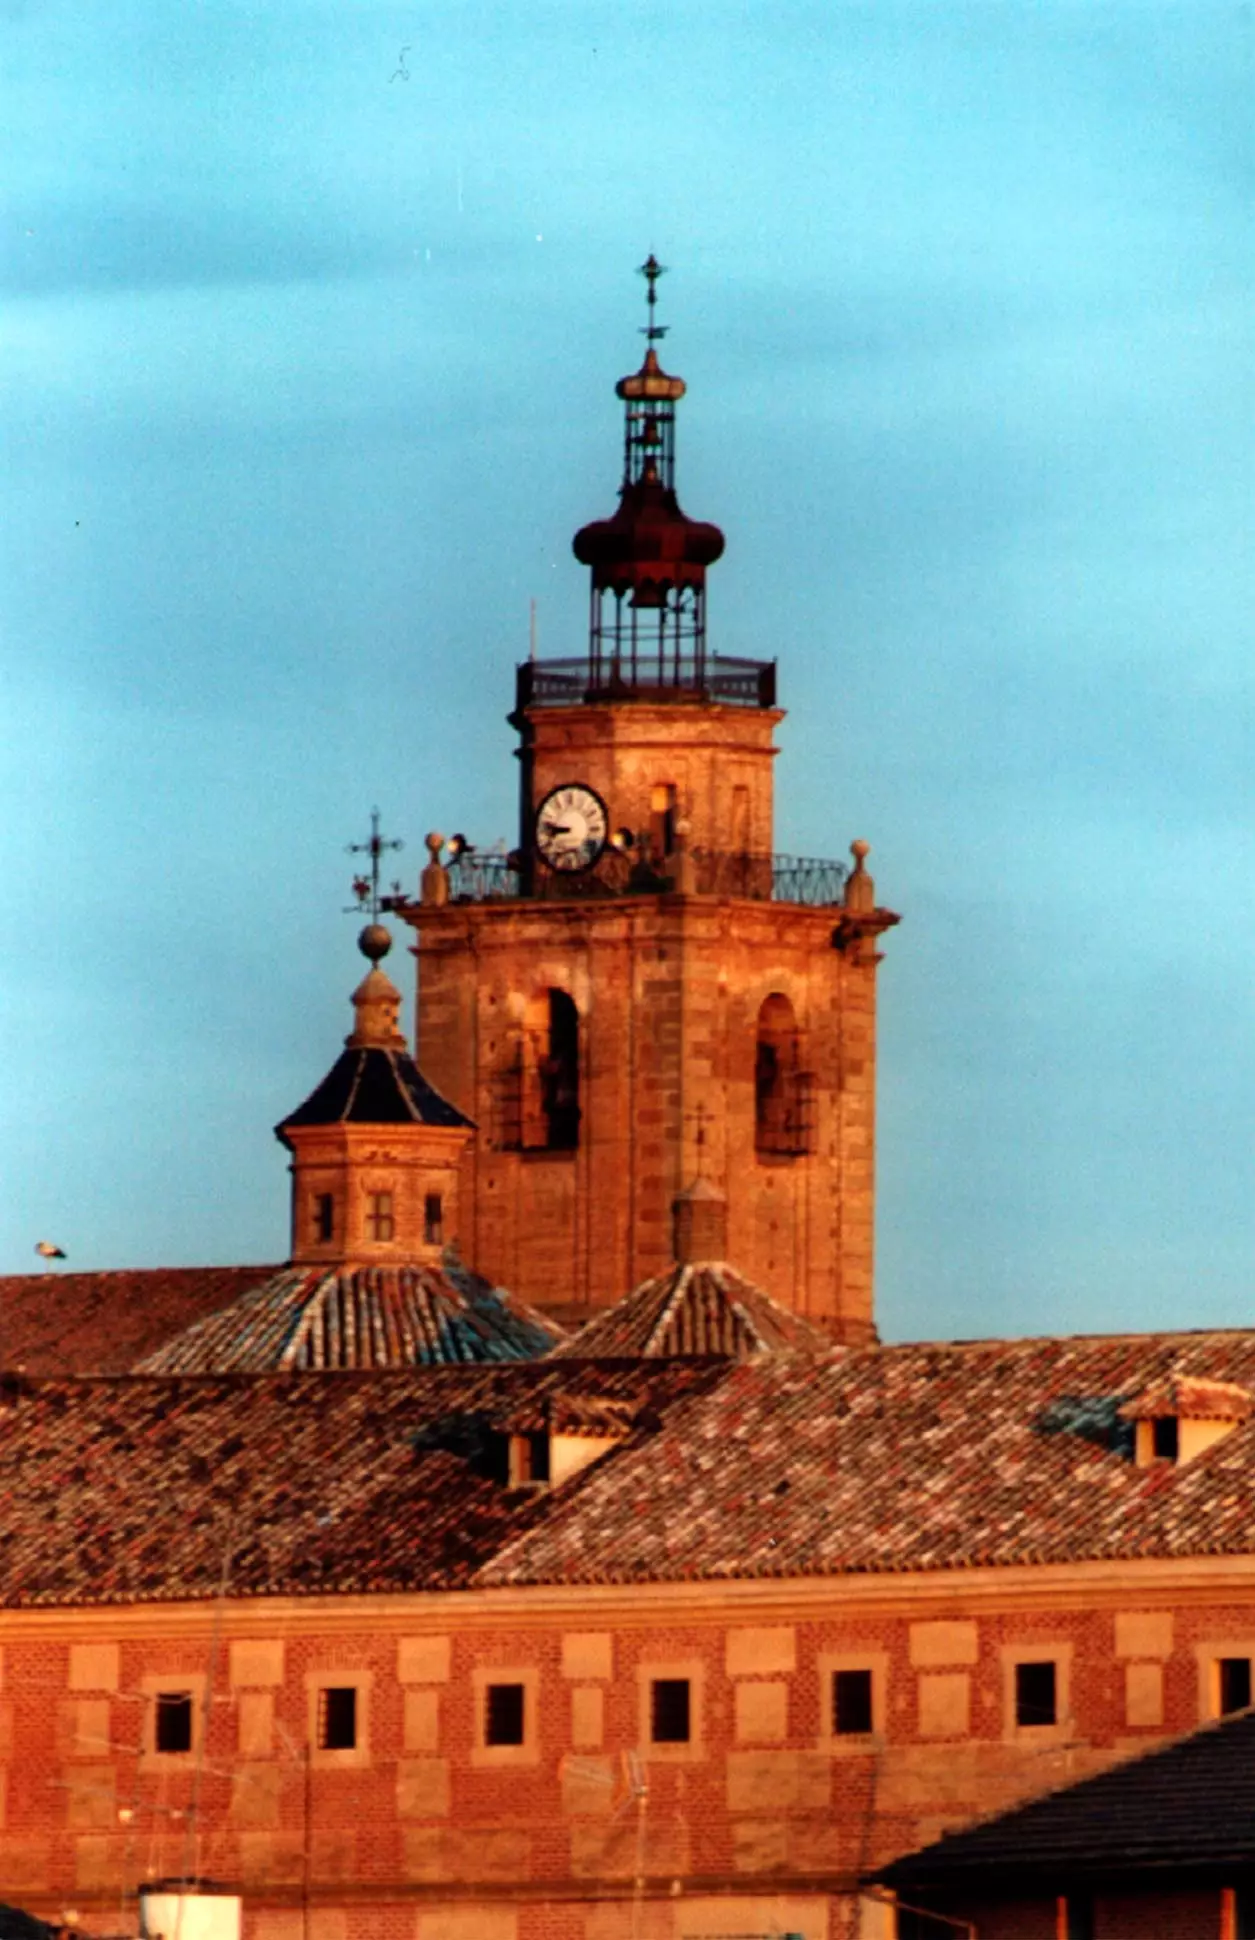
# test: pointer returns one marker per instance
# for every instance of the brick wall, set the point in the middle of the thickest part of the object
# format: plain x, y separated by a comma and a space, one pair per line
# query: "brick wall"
764, 1798
668, 993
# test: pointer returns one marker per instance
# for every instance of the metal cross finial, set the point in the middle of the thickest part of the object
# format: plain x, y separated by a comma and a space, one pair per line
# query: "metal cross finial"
701, 1115
651, 269
366, 888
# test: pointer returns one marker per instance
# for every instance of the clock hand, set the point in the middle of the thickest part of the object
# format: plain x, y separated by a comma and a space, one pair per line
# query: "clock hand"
555, 828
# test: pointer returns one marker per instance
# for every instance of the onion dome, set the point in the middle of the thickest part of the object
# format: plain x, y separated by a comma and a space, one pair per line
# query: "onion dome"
649, 548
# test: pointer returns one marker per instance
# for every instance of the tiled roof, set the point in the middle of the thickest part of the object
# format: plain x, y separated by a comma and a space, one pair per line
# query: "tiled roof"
1189, 1806
702, 1307
1192, 1399
102, 1323
359, 1317
911, 1458
157, 1489
369, 1085
924, 1457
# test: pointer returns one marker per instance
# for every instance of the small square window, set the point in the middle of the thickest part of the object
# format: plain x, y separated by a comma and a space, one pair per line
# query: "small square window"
1035, 1701
1234, 1681
504, 1714
1166, 1437
670, 1711
380, 1223
851, 1703
172, 1727
337, 1718
324, 1216
433, 1219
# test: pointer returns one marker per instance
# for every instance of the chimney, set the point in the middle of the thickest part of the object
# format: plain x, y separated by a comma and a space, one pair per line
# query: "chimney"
700, 1223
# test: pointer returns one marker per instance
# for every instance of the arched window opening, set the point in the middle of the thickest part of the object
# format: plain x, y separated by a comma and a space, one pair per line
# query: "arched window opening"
784, 1094
540, 1091
662, 818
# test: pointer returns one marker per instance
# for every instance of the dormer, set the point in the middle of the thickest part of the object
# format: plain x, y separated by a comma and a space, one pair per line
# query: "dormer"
1177, 1417
542, 1445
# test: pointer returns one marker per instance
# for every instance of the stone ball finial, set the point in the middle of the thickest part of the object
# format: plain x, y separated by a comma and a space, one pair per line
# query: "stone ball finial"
374, 942
434, 881
860, 890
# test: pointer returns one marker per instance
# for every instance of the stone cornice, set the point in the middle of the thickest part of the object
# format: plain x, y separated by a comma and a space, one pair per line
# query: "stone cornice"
1057, 1588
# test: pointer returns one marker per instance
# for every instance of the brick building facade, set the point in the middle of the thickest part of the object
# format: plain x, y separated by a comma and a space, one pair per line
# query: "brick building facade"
364, 1587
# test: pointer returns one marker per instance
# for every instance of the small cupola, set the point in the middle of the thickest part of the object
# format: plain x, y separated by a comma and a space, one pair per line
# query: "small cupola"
1178, 1416
375, 1148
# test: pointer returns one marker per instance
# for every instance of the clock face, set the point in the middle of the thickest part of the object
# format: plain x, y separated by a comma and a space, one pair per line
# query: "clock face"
571, 827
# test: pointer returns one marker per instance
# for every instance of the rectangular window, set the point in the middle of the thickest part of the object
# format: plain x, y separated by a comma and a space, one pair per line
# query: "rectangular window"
662, 819
851, 1703
1166, 1437
433, 1219
172, 1728
529, 1460
325, 1216
1035, 1701
1234, 1680
504, 1714
379, 1218
670, 1721
337, 1718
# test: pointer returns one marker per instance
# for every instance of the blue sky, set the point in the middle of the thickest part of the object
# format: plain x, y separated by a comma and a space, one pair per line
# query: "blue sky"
307, 383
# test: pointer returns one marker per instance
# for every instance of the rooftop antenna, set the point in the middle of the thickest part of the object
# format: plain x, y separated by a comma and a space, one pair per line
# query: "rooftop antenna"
531, 630
366, 887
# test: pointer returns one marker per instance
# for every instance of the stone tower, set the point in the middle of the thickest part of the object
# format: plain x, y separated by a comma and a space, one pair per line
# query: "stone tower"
644, 994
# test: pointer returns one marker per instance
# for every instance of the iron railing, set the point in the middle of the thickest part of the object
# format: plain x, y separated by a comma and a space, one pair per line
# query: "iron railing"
808, 880
646, 677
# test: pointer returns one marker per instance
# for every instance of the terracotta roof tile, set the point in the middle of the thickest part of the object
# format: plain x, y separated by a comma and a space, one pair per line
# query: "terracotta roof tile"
359, 1317
922, 1457
702, 1307
102, 1323
145, 1488
1189, 1398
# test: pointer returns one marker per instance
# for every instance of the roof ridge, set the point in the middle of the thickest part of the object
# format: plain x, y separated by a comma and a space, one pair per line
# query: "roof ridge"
683, 1278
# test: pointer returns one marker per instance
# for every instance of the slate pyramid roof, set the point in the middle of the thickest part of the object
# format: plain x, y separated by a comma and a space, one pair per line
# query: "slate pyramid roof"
1187, 1807
700, 1307
357, 1317
372, 1085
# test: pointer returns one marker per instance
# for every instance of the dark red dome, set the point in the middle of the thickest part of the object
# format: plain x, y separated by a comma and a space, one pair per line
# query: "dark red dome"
649, 547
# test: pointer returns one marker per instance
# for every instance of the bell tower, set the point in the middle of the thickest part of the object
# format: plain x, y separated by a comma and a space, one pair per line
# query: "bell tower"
644, 995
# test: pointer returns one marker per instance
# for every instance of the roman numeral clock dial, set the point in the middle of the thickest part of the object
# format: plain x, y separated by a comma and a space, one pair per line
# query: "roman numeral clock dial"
571, 827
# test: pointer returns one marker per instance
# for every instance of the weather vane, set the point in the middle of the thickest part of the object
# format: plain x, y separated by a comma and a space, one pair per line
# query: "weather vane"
651, 270
366, 887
